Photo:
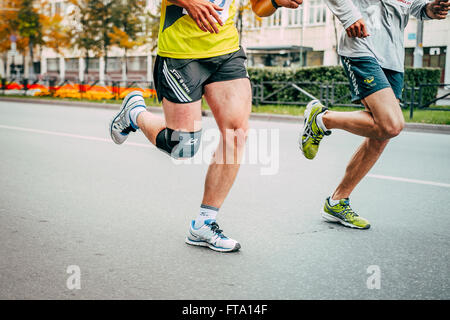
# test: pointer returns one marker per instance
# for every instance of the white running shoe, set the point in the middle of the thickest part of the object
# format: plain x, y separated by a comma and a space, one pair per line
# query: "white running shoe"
121, 125
209, 235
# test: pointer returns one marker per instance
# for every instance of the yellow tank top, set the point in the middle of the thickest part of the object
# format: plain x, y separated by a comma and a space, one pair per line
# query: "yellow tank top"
180, 37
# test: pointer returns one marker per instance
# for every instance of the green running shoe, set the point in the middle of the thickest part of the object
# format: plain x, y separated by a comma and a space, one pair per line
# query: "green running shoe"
344, 214
312, 134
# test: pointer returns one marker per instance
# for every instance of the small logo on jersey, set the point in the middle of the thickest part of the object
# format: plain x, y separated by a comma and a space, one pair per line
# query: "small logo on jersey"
369, 80
404, 3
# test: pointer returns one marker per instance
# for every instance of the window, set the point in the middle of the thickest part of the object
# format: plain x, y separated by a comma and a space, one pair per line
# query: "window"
58, 8
255, 21
314, 58
317, 12
114, 64
295, 17
72, 64
53, 64
137, 63
275, 19
93, 64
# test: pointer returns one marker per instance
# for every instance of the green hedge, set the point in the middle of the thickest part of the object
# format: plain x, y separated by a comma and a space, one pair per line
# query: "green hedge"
320, 76
417, 76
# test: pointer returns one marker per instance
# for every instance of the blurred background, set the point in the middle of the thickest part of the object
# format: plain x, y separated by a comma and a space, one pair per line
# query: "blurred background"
116, 39
63, 44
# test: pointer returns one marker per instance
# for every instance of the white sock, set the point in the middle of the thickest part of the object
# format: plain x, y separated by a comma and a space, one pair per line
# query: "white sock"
206, 213
320, 123
333, 202
134, 114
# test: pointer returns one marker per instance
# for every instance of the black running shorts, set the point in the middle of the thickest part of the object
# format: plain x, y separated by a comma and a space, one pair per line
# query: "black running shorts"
184, 80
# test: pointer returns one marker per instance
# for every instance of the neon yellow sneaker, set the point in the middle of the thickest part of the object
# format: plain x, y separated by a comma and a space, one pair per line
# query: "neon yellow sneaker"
312, 134
344, 214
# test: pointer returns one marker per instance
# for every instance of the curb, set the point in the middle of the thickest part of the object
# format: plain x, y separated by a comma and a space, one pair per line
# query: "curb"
415, 127
68, 103
427, 128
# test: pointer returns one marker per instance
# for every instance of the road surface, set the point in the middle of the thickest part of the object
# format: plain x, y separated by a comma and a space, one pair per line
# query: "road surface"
70, 197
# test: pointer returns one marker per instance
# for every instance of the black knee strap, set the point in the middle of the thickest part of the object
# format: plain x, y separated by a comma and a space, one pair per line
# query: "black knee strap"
179, 144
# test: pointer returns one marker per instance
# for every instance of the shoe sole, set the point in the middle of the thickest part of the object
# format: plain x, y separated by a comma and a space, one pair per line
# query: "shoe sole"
331, 218
206, 244
124, 103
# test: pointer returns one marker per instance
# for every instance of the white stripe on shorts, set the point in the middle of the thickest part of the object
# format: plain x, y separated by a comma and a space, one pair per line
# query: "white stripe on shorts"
174, 84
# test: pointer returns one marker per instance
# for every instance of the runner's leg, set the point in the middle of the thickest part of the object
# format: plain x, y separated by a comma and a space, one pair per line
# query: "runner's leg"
178, 116
388, 122
383, 119
230, 102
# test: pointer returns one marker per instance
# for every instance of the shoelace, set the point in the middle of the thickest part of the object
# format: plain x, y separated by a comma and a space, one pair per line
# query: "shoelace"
315, 137
348, 211
128, 129
215, 228
125, 130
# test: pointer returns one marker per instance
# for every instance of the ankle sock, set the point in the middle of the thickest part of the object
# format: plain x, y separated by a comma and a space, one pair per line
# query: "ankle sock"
320, 123
333, 202
206, 213
134, 114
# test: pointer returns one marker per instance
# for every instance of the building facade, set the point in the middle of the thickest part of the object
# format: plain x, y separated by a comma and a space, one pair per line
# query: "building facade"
306, 36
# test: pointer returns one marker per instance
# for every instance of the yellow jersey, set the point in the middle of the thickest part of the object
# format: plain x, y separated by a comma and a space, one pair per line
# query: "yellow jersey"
180, 37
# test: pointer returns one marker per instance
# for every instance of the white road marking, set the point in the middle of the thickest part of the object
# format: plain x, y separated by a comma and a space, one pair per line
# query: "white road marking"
432, 183
92, 138
76, 136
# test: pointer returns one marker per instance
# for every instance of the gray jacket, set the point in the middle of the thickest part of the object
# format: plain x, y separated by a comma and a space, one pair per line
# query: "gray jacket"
385, 21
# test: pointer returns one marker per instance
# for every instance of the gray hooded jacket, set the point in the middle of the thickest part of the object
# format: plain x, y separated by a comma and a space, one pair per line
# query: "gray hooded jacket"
385, 21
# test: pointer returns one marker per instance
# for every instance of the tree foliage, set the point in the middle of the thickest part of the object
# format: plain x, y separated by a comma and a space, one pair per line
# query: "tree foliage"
8, 23
55, 34
128, 23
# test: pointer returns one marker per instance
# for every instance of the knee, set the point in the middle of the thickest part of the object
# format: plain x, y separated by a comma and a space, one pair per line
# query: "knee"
235, 137
392, 128
392, 125
179, 144
235, 133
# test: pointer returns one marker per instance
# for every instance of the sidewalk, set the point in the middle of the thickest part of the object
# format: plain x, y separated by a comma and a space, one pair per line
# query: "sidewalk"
417, 127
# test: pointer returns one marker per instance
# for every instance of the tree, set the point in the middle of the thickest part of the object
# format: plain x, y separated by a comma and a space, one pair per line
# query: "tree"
152, 21
56, 36
85, 29
104, 18
128, 29
29, 27
8, 25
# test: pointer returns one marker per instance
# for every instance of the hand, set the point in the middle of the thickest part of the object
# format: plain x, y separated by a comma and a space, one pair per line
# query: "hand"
203, 13
357, 30
438, 9
293, 4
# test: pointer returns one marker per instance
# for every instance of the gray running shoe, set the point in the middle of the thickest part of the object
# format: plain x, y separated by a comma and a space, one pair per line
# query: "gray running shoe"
121, 125
209, 235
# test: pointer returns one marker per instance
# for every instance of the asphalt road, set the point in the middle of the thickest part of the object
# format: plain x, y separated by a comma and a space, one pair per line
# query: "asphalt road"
69, 196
